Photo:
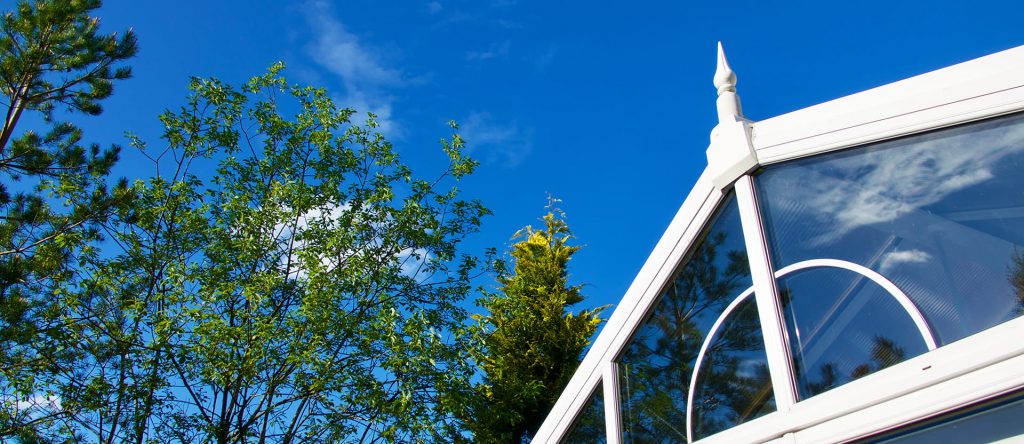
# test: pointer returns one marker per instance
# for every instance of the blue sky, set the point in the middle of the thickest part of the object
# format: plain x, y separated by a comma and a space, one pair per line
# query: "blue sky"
606, 106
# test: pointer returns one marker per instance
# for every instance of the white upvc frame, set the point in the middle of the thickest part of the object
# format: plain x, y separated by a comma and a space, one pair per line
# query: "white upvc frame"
674, 244
612, 415
976, 368
773, 325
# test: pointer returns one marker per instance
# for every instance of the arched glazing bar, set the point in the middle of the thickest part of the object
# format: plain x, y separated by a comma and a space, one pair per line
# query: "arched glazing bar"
927, 336
898, 295
700, 357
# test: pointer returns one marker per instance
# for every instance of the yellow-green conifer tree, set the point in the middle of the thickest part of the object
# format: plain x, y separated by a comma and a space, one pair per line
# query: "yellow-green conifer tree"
531, 341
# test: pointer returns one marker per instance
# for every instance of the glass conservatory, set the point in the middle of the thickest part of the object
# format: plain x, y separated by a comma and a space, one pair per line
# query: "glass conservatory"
849, 272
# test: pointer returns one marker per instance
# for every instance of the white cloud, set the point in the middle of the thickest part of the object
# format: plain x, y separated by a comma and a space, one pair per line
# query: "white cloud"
35, 404
287, 232
411, 261
493, 142
895, 258
434, 7
496, 50
366, 78
380, 107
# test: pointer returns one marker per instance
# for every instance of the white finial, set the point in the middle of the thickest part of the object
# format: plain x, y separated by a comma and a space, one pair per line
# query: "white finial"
728, 102
725, 78
731, 153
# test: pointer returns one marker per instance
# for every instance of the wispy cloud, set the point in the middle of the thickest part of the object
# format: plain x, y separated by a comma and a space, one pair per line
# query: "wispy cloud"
859, 191
545, 58
496, 50
434, 7
366, 78
505, 144
488, 14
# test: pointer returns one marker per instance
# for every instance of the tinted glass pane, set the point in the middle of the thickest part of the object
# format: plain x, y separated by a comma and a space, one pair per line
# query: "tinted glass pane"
589, 427
843, 326
656, 364
941, 215
733, 385
999, 422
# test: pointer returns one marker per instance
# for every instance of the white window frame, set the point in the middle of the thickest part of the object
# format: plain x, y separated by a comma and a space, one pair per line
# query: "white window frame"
973, 369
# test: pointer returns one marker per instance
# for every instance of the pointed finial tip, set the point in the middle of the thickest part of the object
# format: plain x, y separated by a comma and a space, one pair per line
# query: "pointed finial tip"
725, 78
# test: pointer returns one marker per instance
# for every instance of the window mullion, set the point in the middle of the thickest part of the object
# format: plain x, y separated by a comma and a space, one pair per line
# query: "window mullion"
613, 424
773, 325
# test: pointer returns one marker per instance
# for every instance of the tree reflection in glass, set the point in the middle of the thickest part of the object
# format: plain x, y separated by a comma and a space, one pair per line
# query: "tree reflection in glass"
589, 427
843, 326
656, 365
1017, 279
734, 384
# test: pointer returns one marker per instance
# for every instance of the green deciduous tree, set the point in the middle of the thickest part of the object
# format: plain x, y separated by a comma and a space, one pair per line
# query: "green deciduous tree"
53, 195
531, 340
283, 278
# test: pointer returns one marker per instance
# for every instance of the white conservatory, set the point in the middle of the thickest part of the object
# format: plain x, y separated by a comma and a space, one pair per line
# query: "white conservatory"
849, 272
